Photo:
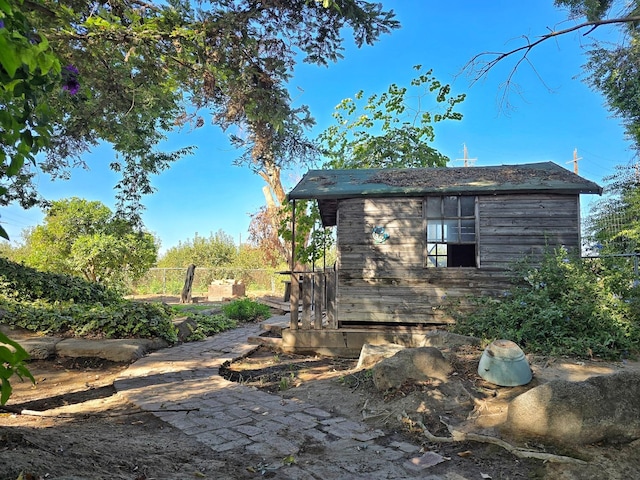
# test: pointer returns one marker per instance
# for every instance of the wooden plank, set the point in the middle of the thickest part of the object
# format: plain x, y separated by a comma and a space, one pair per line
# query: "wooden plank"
391, 223
332, 319
375, 317
529, 241
318, 300
295, 293
306, 301
522, 222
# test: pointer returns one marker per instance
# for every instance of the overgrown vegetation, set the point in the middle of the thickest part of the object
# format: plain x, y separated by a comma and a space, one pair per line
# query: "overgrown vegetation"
246, 310
563, 306
208, 325
65, 305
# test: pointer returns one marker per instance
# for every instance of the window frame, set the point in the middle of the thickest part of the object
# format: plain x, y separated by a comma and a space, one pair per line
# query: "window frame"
443, 221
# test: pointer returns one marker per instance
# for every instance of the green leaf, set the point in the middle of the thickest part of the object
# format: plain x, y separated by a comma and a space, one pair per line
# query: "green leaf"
8, 57
16, 163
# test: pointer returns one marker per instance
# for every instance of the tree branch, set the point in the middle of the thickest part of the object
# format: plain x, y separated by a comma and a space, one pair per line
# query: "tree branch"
479, 67
459, 436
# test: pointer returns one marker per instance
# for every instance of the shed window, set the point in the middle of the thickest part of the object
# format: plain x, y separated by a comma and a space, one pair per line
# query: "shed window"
451, 231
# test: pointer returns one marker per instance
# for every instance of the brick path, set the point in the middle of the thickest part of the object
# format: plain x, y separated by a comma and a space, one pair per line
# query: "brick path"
181, 386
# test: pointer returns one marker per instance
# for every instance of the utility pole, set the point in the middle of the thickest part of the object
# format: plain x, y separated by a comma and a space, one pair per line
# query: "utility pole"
575, 161
467, 161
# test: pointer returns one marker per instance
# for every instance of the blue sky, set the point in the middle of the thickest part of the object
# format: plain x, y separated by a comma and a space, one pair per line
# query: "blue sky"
550, 118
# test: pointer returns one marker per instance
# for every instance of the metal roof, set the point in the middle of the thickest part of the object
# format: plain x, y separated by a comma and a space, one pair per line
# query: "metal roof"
328, 186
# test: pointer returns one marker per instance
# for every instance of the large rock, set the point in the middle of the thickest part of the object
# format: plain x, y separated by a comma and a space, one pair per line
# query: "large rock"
373, 354
605, 408
117, 350
420, 364
40, 348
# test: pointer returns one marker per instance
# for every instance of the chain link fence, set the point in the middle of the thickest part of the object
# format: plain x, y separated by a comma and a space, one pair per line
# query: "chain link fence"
169, 281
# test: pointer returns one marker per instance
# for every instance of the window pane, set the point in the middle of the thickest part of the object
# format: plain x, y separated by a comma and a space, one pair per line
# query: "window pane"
441, 249
450, 206
432, 249
451, 232
434, 231
467, 230
467, 206
433, 207
432, 262
441, 261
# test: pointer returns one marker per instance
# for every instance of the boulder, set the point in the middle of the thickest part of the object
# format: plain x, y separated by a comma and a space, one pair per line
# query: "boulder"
372, 354
604, 408
420, 364
118, 350
40, 348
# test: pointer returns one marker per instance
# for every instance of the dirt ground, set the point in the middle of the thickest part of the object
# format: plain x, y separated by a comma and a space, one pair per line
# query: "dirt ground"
80, 428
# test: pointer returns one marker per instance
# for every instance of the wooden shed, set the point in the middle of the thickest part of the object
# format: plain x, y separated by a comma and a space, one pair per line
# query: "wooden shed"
410, 239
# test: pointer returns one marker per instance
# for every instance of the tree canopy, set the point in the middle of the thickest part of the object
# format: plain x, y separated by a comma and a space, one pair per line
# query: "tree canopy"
84, 238
131, 71
392, 129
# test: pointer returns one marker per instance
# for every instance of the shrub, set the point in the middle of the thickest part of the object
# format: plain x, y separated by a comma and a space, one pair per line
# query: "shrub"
563, 306
246, 310
208, 325
22, 282
122, 319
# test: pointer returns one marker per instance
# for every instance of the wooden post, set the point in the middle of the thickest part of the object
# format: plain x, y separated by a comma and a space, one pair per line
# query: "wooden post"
293, 300
185, 296
295, 287
332, 319
306, 301
318, 299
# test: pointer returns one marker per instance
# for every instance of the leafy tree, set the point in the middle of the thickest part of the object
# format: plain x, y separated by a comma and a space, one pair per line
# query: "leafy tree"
136, 70
392, 129
217, 250
84, 238
29, 71
388, 130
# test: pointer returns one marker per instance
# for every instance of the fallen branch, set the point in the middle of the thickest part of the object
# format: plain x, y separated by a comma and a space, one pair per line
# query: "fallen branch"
46, 413
458, 436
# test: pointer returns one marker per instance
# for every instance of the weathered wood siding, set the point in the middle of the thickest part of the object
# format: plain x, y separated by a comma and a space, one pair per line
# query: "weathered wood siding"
387, 283
514, 226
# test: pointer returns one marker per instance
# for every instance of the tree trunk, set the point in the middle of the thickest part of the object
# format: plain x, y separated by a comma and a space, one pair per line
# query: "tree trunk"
185, 296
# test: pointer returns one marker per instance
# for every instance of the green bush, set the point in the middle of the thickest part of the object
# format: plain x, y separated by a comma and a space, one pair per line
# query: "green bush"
26, 283
246, 310
563, 306
122, 319
208, 325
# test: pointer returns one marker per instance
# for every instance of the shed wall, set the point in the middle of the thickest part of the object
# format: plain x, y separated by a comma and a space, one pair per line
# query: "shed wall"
387, 283
513, 226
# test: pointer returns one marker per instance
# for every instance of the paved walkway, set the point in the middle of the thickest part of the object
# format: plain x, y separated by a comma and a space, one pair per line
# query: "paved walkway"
181, 386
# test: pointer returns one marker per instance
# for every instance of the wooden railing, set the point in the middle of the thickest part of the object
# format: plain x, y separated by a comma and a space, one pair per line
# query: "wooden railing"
317, 292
